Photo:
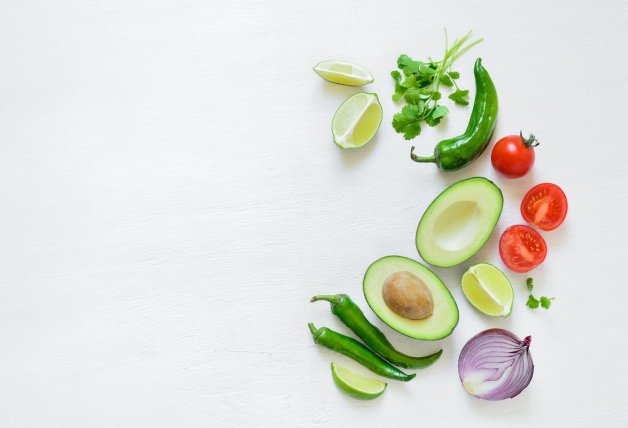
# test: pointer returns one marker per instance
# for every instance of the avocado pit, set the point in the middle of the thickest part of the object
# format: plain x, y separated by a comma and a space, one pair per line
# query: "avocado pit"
407, 295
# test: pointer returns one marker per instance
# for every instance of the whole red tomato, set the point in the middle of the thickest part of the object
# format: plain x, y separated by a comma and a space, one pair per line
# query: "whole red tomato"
513, 156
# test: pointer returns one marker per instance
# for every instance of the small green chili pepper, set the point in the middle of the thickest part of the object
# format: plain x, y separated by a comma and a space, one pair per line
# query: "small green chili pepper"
460, 151
344, 308
352, 348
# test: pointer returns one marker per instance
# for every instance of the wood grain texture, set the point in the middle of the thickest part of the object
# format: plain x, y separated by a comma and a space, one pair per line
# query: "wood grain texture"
170, 199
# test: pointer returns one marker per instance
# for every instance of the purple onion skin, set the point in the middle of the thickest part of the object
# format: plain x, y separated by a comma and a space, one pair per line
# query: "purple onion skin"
504, 345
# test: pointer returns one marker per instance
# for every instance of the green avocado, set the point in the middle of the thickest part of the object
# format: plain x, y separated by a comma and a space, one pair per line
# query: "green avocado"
444, 316
459, 221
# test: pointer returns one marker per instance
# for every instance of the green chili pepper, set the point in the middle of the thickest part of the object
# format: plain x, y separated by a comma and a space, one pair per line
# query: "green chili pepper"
460, 151
352, 348
343, 307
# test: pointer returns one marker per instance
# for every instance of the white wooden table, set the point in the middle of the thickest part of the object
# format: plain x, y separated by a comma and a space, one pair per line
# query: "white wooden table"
170, 199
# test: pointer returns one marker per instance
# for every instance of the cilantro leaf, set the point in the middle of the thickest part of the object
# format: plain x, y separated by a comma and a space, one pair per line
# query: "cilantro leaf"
407, 65
411, 82
426, 70
530, 284
413, 96
460, 97
408, 121
546, 302
435, 116
446, 80
532, 302
418, 83
439, 112
399, 89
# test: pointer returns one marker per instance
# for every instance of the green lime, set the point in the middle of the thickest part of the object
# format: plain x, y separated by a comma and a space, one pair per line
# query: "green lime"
357, 385
488, 289
357, 120
344, 73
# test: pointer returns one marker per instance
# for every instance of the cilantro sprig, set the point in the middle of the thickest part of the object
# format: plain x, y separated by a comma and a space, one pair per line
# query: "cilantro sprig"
533, 302
419, 84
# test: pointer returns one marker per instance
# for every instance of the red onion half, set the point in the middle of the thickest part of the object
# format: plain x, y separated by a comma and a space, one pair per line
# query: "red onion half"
495, 365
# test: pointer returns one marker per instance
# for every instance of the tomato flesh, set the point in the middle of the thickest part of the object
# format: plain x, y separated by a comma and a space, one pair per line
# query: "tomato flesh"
545, 206
522, 248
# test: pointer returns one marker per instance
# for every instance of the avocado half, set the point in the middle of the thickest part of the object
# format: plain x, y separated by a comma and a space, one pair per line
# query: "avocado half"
459, 221
444, 317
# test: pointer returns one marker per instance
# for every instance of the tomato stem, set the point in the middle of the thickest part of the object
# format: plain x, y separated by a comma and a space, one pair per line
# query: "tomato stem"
531, 141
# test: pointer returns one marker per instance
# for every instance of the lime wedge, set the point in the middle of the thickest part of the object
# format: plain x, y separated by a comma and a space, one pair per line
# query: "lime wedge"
488, 289
344, 73
357, 120
357, 385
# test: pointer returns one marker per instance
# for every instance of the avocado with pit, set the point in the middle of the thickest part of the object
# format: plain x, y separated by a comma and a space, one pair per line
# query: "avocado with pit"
410, 298
457, 224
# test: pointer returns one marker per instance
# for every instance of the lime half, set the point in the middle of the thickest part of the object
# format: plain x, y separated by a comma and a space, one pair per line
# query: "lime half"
344, 73
357, 385
488, 289
357, 120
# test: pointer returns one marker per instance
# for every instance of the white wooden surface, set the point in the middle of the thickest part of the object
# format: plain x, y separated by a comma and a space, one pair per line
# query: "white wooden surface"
170, 199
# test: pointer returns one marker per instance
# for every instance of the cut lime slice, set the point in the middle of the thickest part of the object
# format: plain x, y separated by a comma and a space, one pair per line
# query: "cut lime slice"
357, 120
357, 385
344, 73
488, 289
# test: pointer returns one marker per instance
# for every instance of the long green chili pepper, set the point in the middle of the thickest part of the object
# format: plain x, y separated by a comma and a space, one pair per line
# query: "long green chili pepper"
352, 316
352, 348
460, 151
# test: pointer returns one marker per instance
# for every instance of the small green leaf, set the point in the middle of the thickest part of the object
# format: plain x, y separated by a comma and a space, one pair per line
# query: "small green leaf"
439, 111
530, 284
454, 75
413, 96
399, 90
436, 95
546, 302
460, 97
446, 80
436, 115
411, 81
405, 63
426, 70
532, 302
412, 131
408, 121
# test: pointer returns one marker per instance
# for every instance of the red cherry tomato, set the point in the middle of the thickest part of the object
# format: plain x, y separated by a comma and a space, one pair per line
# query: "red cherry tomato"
522, 248
545, 206
513, 156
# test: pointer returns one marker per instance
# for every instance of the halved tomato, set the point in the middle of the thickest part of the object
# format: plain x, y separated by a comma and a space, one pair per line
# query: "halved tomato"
545, 206
522, 248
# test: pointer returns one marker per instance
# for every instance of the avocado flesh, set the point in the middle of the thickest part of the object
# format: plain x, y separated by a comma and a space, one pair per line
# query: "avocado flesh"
459, 221
444, 317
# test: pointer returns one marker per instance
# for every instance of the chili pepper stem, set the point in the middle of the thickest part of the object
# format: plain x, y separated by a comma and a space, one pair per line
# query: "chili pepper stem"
425, 159
325, 297
315, 332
